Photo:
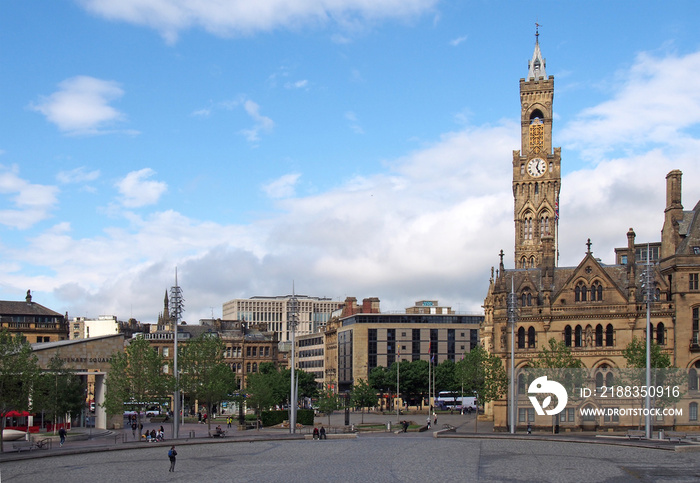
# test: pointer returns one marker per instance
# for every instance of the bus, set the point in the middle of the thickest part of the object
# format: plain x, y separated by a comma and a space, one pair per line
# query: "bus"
151, 409
452, 400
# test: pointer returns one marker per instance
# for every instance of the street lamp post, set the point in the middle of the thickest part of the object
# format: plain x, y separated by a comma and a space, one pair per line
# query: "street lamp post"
176, 309
398, 370
512, 301
648, 284
292, 323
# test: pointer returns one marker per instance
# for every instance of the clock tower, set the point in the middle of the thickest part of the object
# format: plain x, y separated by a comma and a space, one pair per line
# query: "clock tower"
536, 169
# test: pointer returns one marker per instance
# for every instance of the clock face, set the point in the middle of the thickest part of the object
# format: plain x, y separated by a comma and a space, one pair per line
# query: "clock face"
536, 167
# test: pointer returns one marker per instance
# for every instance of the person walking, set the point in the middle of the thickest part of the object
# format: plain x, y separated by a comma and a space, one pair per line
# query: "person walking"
171, 455
62, 434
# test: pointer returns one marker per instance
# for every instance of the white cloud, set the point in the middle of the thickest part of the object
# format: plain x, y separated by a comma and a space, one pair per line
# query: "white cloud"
282, 187
137, 191
430, 227
300, 84
657, 100
354, 124
202, 112
244, 17
81, 105
33, 202
457, 41
262, 123
77, 175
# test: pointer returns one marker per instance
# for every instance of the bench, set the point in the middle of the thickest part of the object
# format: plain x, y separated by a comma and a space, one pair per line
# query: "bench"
21, 445
671, 435
217, 434
43, 443
636, 433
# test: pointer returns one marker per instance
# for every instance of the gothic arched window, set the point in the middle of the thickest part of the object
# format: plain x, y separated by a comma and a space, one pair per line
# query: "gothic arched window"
521, 338
599, 335
692, 380
578, 336
531, 337
660, 334
522, 384
567, 336
609, 336
609, 379
596, 291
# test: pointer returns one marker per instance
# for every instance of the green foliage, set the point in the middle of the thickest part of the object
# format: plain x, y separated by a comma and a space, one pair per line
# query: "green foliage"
558, 356
262, 390
59, 391
305, 417
328, 401
380, 379
269, 386
307, 383
636, 355
273, 418
445, 378
558, 363
363, 396
484, 375
19, 371
136, 376
663, 374
205, 376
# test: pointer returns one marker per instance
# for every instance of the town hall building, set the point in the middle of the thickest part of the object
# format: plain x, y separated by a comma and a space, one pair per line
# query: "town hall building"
594, 308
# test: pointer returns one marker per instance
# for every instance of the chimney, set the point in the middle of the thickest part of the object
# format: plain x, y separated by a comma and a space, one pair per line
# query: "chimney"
631, 271
670, 238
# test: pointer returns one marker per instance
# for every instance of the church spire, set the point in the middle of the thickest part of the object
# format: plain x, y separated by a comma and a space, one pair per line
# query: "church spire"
536, 67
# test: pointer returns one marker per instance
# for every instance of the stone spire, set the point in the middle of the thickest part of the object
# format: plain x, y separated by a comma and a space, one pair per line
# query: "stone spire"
536, 67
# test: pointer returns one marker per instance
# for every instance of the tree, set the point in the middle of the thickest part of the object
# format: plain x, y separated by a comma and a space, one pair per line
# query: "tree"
445, 376
308, 388
485, 376
268, 387
380, 379
558, 363
328, 402
363, 396
59, 391
558, 355
205, 376
663, 373
636, 355
19, 371
260, 389
136, 377
414, 380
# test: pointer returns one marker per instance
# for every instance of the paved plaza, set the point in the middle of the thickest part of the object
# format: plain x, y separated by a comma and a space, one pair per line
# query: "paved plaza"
274, 455
400, 458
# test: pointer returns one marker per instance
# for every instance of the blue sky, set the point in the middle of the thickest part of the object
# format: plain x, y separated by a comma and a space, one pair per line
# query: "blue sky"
356, 148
